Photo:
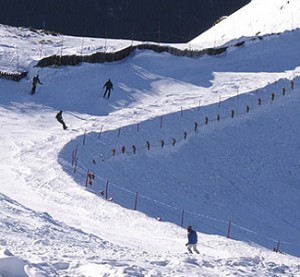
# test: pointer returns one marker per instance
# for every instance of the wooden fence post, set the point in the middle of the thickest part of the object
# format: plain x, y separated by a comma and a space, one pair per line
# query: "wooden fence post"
84, 135
106, 190
123, 149
75, 165
196, 126
135, 201
86, 179
173, 142
74, 155
277, 247
228, 231
182, 218
259, 101
73, 158
134, 149
100, 133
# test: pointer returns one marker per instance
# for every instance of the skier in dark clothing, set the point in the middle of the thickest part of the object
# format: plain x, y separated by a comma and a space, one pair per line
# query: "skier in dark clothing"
60, 120
192, 240
35, 81
109, 86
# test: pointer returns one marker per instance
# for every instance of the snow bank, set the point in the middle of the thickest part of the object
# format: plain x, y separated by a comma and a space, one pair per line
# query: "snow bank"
11, 266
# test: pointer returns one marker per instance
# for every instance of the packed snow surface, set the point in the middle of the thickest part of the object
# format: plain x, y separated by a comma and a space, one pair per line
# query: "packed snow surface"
222, 155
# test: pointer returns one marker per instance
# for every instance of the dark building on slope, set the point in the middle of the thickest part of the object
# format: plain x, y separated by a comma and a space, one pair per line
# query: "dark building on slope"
146, 20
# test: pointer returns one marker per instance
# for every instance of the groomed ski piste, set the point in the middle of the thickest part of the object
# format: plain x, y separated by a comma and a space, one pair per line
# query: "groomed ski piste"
224, 154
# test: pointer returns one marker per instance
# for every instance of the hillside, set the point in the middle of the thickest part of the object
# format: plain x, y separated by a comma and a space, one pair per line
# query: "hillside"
258, 18
241, 167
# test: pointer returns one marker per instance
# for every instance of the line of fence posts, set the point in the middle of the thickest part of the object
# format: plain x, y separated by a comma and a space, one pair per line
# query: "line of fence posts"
196, 126
90, 177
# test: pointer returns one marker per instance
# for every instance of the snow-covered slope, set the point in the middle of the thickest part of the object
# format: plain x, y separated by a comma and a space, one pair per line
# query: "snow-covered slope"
243, 169
258, 18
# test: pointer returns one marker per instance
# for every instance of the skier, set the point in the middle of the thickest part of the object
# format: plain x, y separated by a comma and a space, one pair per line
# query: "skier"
192, 240
109, 86
60, 120
35, 81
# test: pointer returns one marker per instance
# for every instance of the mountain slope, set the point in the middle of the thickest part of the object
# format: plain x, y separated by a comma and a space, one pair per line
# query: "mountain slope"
258, 18
242, 169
